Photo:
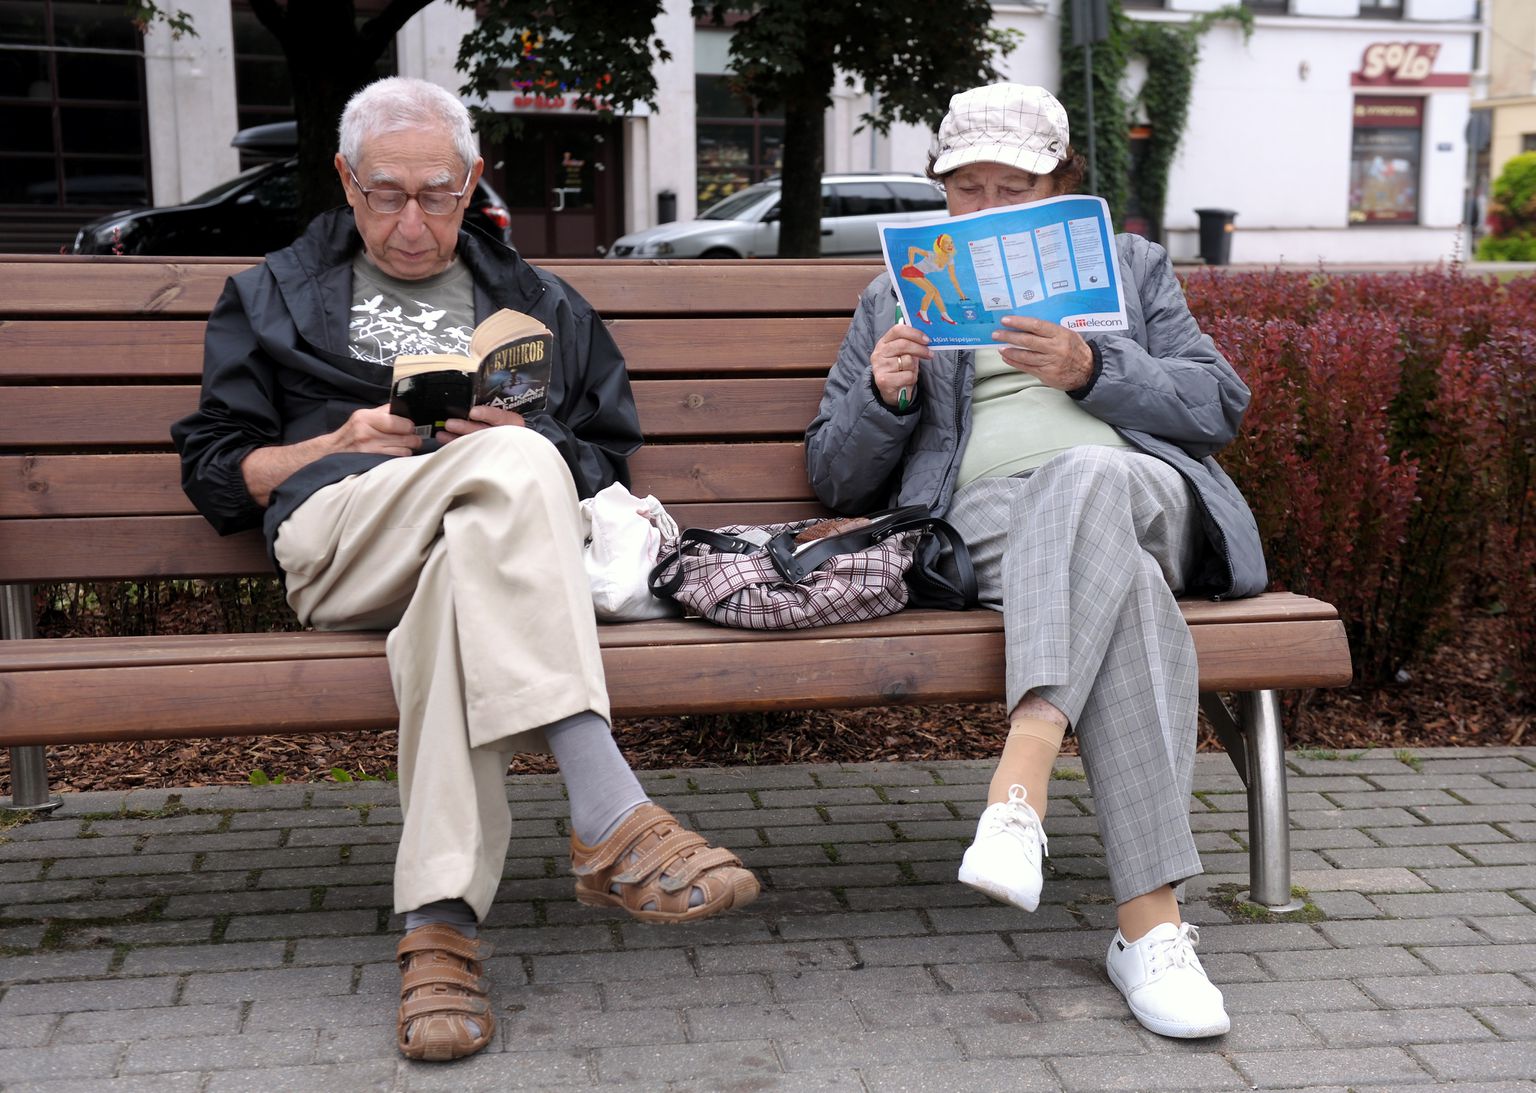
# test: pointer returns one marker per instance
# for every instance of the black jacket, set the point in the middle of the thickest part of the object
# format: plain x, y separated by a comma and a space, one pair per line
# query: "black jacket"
276, 370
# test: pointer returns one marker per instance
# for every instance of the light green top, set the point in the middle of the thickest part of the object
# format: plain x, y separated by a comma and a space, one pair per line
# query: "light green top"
1018, 423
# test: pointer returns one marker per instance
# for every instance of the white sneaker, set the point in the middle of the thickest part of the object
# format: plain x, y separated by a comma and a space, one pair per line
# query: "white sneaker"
1164, 984
1004, 861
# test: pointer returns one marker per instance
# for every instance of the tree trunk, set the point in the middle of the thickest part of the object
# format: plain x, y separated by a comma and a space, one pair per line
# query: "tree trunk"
805, 123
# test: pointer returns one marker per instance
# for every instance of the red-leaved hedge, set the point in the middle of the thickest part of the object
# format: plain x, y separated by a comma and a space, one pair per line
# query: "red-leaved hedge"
1389, 451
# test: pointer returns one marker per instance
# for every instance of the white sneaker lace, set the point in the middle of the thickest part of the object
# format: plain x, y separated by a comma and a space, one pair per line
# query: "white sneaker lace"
1175, 952
1015, 818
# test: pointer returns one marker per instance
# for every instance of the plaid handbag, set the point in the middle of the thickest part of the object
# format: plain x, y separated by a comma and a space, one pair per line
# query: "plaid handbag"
807, 573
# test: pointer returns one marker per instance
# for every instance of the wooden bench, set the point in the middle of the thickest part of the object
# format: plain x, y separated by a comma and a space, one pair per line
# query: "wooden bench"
99, 355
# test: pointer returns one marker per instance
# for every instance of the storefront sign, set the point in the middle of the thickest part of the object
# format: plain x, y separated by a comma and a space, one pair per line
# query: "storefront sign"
1403, 64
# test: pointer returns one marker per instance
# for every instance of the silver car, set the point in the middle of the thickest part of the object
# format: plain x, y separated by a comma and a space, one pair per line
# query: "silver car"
746, 224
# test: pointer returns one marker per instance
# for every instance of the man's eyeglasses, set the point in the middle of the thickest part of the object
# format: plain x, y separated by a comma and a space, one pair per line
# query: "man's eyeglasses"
389, 200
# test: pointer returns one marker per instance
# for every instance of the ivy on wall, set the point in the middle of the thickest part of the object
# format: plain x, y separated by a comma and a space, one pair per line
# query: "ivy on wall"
1171, 52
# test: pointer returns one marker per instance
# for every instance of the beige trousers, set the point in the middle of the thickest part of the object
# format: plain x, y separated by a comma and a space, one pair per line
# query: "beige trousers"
471, 557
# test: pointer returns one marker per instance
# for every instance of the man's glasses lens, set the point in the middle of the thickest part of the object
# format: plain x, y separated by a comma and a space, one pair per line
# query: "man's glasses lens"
435, 202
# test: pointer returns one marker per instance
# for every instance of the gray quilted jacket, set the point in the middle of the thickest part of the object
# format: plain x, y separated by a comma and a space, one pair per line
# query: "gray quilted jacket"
1163, 386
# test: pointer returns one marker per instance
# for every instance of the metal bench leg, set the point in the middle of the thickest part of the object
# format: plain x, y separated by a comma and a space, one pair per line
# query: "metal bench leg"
1269, 830
29, 766
1256, 744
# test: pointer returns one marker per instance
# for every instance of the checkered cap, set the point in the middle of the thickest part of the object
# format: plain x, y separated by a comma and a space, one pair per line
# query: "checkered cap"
1018, 125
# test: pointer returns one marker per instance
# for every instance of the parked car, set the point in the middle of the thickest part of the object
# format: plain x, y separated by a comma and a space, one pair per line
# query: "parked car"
253, 213
746, 224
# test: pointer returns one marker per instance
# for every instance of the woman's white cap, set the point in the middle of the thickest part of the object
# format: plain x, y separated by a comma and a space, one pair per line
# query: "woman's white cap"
1016, 124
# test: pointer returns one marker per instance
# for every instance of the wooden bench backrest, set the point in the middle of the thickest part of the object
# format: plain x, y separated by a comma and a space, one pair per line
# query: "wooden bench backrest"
99, 355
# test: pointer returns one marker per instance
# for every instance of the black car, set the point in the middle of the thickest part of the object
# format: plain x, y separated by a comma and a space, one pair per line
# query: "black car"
253, 213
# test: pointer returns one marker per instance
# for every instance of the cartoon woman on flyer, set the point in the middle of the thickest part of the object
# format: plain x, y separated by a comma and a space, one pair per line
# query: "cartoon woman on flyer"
917, 270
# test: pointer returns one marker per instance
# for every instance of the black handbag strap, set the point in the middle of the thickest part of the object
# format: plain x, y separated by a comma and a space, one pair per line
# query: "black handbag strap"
795, 567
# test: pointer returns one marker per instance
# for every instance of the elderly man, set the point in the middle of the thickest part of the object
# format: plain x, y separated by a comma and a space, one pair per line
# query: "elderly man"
464, 545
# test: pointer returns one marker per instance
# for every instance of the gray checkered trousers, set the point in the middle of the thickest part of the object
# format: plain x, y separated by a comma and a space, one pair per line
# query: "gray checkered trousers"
1083, 557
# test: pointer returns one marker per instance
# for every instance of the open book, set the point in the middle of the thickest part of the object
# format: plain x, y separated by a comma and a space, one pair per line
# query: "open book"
508, 366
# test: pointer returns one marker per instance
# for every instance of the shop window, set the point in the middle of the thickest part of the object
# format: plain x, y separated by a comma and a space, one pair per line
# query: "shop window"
1528, 142
1267, 7
72, 95
736, 145
1381, 9
1385, 160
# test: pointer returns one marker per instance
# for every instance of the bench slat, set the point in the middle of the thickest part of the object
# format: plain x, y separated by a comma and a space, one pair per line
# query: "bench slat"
149, 484
83, 286
104, 416
896, 660
43, 350
129, 547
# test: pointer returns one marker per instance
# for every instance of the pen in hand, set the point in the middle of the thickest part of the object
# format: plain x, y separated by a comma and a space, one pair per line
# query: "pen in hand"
904, 396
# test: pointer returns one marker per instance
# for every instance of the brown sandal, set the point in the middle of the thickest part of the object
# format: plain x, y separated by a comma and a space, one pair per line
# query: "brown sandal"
442, 989
657, 865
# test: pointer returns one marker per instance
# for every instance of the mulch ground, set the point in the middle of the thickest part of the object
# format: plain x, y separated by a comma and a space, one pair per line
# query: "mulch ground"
1459, 697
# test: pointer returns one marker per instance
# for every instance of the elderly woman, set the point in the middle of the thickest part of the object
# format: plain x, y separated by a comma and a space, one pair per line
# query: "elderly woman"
1080, 473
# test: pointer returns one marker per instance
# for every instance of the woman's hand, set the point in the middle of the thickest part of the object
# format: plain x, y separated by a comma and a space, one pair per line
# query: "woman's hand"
480, 417
1054, 355
895, 360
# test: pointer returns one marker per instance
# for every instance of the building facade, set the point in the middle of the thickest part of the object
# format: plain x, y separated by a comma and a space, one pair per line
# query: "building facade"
1336, 132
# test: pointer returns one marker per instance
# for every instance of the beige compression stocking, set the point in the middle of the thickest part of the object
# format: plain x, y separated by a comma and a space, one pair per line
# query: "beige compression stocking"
1028, 757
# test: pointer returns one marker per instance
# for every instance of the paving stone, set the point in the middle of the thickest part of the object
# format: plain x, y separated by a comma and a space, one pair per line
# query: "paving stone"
1379, 798
178, 959
1384, 857
1401, 931
923, 896
296, 818
1015, 1075
1372, 1027
301, 925
1506, 929
1473, 760
1360, 880
1480, 1061
197, 905
1265, 937
1485, 958
39, 967
1502, 853
1343, 905
1294, 997
714, 804
1324, 838
33, 1030
1049, 916
740, 1061
246, 1052
71, 1061
1050, 1038
105, 994
1478, 814
1437, 904
328, 1078
279, 983
777, 1021
1145, 1073
602, 967
919, 1048
291, 856
82, 846
1252, 1032
893, 778
1299, 1067
980, 948
812, 798
1028, 976
1341, 963
162, 1022
78, 908
799, 985
1358, 817
851, 924
1481, 878
1419, 991
367, 949
277, 1013
723, 930
764, 817
704, 990
539, 1029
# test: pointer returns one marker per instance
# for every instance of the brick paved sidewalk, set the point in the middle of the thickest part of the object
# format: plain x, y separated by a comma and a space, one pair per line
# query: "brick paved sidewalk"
231, 939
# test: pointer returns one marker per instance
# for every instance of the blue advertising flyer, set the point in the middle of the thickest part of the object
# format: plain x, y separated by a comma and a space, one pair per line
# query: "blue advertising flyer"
957, 276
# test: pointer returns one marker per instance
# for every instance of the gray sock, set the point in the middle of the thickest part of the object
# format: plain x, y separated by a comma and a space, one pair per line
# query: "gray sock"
602, 788
448, 912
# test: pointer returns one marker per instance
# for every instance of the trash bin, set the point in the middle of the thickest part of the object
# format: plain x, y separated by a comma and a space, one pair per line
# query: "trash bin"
666, 207
1216, 235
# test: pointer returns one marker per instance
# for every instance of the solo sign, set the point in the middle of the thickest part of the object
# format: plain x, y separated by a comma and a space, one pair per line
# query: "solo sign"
1397, 62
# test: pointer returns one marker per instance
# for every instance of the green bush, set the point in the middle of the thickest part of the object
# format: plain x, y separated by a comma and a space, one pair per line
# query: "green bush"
1512, 213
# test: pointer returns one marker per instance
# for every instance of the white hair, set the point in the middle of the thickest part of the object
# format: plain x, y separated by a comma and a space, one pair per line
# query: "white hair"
400, 102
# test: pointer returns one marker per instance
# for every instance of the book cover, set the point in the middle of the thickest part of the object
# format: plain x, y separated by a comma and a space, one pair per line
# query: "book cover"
1054, 259
508, 366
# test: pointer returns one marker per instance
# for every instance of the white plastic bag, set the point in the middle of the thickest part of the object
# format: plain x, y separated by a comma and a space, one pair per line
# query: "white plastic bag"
624, 536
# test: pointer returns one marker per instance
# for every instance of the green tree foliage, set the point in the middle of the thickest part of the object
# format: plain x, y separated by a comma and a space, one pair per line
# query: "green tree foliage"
1111, 111
910, 54
1512, 214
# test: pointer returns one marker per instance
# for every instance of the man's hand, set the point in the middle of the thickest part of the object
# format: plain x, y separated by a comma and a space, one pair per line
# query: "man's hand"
376, 431
1054, 355
480, 417
372, 429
